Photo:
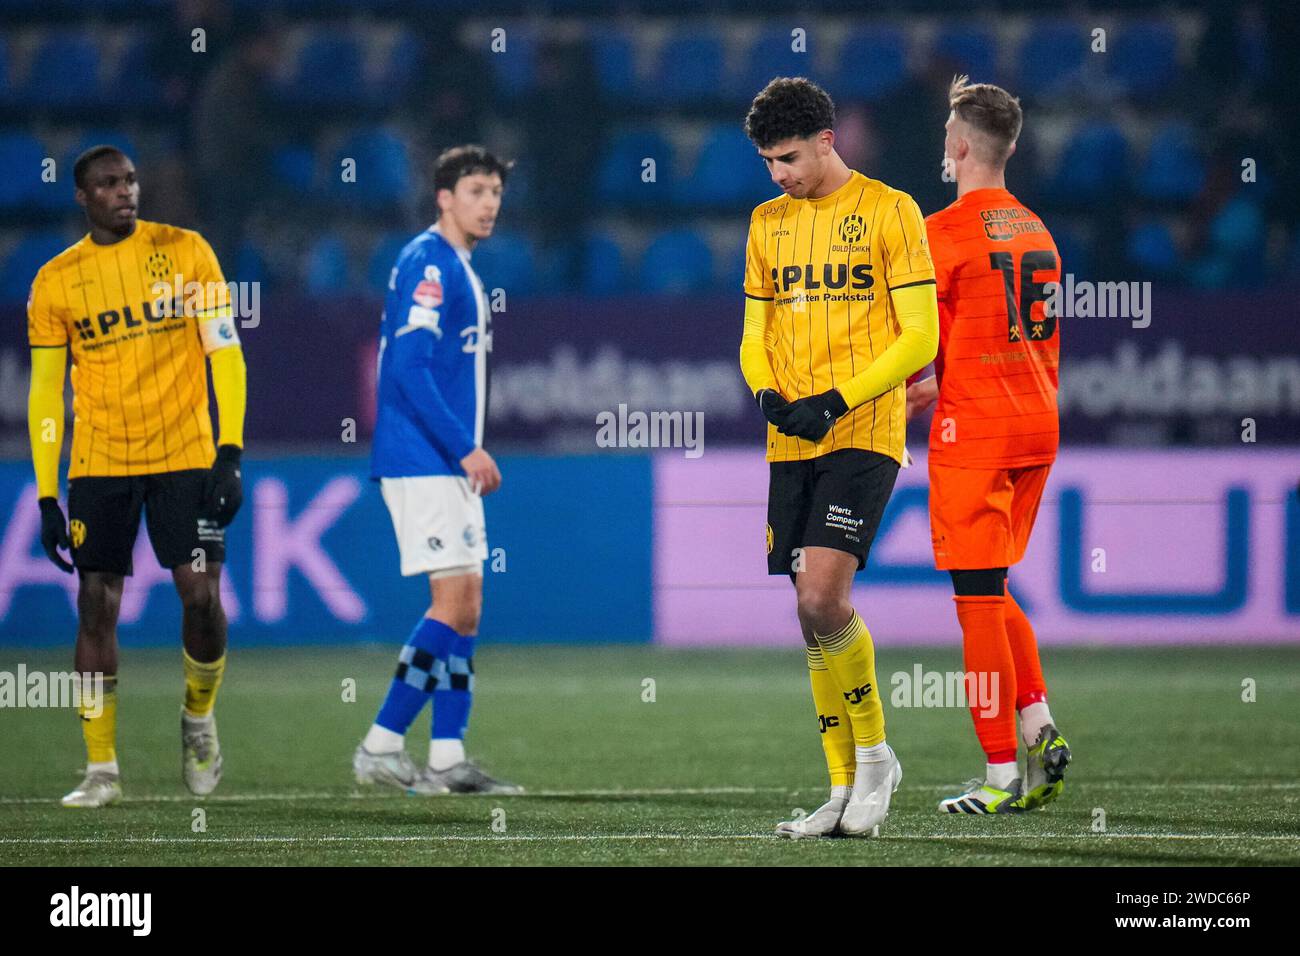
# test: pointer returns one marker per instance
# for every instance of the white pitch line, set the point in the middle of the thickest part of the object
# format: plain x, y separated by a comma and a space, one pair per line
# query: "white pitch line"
393, 794
619, 837
285, 797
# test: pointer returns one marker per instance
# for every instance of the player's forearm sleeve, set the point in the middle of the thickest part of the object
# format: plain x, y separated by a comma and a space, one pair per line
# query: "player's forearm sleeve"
754, 362
411, 364
45, 417
230, 384
918, 314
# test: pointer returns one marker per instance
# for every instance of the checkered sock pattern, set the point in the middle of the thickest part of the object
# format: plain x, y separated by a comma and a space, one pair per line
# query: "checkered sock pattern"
419, 671
454, 697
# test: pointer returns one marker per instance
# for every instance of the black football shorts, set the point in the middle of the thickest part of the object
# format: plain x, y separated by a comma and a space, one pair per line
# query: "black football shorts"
833, 501
104, 519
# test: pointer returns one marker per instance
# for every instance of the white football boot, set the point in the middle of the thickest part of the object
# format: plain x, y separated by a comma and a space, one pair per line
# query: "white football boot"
98, 788
873, 785
824, 821
200, 753
393, 769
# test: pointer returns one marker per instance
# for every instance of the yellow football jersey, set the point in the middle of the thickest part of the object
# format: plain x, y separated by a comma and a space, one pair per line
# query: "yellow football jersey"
827, 265
139, 369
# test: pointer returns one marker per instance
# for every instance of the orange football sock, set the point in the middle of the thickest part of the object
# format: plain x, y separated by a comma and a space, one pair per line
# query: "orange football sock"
991, 686
1030, 687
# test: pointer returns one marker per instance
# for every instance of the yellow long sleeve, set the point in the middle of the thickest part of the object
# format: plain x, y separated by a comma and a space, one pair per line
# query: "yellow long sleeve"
230, 384
45, 416
754, 362
918, 342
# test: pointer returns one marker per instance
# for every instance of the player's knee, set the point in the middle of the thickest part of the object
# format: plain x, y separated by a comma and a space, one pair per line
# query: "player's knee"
822, 609
201, 598
459, 601
984, 582
98, 601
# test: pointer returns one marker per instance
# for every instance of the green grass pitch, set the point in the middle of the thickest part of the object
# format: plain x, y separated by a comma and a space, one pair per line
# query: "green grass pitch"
1184, 771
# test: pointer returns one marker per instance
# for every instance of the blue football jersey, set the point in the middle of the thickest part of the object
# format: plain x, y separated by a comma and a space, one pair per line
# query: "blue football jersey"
434, 341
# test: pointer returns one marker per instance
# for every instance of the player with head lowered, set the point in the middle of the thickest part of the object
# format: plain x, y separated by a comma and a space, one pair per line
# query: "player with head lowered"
429, 460
839, 311
143, 308
993, 437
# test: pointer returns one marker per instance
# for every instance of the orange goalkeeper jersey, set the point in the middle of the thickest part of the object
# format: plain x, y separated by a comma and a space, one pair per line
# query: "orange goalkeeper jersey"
139, 369
999, 349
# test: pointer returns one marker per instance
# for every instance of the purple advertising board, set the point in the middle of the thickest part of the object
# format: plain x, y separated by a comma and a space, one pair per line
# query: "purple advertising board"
1182, 547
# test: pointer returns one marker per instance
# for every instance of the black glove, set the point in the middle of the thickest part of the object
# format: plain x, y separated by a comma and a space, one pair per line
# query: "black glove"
223, 491
54, 532
772, 405
811, 418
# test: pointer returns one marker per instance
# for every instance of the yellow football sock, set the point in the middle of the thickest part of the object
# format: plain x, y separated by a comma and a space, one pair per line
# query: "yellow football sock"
833, 719
98, 713
851, 659
201, 683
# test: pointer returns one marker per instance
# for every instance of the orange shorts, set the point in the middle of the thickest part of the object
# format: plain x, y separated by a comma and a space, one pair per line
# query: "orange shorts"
982, 517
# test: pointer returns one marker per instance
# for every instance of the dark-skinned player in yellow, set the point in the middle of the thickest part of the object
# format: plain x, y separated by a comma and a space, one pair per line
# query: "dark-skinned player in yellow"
143, 308
840, 309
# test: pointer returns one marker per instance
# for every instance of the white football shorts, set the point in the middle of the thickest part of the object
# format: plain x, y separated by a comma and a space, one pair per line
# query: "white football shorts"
438, 521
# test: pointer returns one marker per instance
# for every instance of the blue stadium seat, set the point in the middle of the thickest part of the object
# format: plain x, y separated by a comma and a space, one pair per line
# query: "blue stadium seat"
676, 262
382, 259
604, 267
325, 270
1151, 247
1052, 57
250, 264
618, 177
136, 81
25, 260
615, 60
969, 49
507, 261
64, 71
771, 55
1075, 251
328, 71
400, 68
6, 72
728, 173
729, 271
1173, 170
689, 68
872, 63
1143, 56
1093, 164
21, 155
383, 168
515, 68
294, 167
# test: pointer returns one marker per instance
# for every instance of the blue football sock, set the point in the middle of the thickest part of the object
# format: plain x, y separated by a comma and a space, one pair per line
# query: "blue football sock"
419, 671
454, 696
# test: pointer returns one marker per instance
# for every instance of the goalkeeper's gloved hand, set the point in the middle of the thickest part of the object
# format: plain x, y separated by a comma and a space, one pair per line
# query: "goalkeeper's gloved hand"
54, 532
811, 418
771, 404
223, 490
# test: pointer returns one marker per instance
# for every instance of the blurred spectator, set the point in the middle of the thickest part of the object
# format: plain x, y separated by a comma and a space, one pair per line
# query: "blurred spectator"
234, 122
563, 126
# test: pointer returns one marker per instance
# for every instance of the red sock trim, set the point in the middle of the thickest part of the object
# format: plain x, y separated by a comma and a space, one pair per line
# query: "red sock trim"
1033, 697
1002, 756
